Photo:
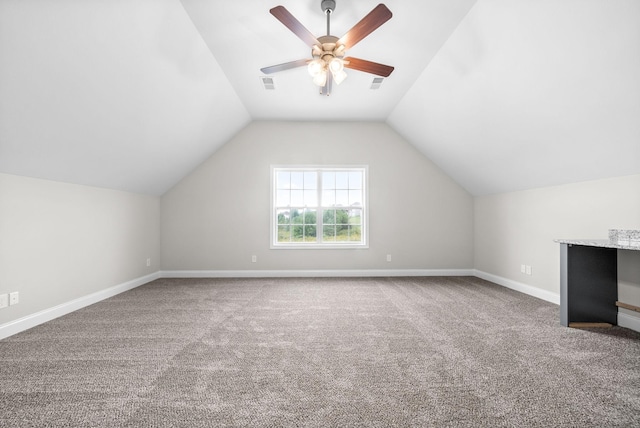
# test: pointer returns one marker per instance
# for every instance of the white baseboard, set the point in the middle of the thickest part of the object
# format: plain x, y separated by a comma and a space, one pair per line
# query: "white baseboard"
49, 314
629, 321
45, 315
312, 273
518, 286
624, 320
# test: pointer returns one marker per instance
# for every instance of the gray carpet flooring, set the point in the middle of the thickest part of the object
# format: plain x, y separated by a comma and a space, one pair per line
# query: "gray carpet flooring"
380, 352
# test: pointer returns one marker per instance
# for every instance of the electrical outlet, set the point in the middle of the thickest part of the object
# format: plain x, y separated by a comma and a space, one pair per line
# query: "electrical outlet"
523, 268
14, 298
254, 259
528, 270
4, 300
149, 261
388, 257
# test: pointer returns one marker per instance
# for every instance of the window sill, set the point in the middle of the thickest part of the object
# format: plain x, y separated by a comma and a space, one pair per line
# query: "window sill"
320, 247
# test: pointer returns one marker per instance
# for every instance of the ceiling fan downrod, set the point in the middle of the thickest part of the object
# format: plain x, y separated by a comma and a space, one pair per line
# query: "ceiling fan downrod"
328, 6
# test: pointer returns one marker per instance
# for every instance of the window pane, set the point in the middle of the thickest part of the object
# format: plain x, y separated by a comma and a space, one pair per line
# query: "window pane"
310, 198
310, 217
355, 180
283, 198
297, 180
284, 233
296, 233
355, 217
342, 233
355, 234
355, 197
283, 180
342, 198
329, 233
297, 198
310, 226
342, 217
329, 180
310, 233
310, 180
342, 180
329, 217
283, 217
296, 217
328, 198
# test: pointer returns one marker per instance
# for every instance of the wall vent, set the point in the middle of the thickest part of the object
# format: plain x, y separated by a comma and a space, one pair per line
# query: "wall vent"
377, 81
268, 83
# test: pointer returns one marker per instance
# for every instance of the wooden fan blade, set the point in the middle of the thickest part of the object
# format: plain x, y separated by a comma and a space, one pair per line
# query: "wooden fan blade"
285, 66
368, 66
367, 25
284, 16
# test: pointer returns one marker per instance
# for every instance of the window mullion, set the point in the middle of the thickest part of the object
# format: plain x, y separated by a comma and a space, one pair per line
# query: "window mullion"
319, 211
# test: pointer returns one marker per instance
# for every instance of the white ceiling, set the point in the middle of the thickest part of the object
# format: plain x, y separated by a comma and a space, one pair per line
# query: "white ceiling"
119, 94
501, 94
531, 93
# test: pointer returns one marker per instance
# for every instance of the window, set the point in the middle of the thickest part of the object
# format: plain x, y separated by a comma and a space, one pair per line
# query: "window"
319, 207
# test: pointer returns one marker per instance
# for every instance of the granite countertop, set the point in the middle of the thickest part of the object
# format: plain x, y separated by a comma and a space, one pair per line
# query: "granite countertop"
597, 243
623, 239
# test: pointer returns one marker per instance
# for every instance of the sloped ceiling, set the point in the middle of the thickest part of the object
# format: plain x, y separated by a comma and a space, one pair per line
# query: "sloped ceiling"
501, 94
118, 94
531, 93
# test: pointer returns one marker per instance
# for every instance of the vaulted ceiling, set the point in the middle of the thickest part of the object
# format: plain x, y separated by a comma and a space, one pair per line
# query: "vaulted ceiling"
501, 94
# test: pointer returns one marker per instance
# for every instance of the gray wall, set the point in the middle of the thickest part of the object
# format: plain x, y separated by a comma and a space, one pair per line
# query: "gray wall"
519, 228
60, 242
63, 241
218, 216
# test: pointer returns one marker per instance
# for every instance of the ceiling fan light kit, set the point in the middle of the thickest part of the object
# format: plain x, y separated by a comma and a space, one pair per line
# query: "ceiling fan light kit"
327, 58
328, 52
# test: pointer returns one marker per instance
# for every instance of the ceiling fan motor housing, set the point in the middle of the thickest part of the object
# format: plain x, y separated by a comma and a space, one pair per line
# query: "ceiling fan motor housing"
328, 5
327, 49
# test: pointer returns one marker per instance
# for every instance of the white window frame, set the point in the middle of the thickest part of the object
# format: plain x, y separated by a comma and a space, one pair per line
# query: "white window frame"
319, 244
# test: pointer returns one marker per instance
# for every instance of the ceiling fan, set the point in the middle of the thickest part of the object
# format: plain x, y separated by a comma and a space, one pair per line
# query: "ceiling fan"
328, 52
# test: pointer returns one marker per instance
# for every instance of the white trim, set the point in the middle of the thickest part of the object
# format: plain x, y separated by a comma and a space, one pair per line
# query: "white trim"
312, 273
629, 321
624, 320
518, 286
49, 314
29, 321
